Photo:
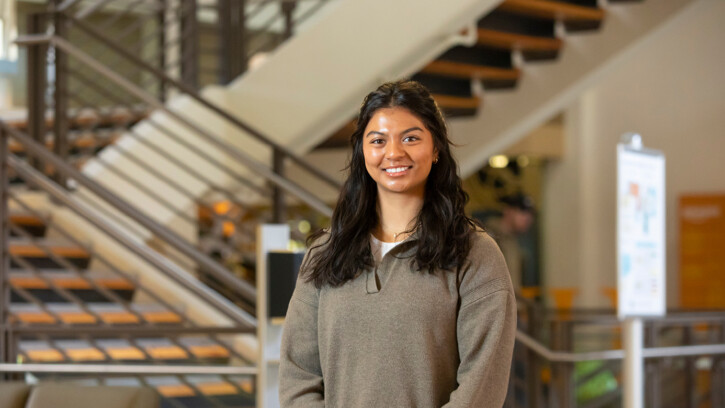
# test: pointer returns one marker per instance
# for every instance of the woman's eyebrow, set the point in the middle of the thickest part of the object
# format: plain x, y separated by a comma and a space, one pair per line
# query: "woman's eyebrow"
410, 130
375, 132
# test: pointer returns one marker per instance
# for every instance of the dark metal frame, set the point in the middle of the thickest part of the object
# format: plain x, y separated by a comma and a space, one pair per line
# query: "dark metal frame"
560, 328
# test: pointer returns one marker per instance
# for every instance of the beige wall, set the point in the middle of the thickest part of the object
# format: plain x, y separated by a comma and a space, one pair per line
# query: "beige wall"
673, 93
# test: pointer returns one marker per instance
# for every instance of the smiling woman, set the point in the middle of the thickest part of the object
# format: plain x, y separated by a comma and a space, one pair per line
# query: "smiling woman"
404, 301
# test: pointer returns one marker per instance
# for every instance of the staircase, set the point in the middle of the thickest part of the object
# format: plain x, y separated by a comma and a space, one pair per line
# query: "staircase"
498, 68
66, 313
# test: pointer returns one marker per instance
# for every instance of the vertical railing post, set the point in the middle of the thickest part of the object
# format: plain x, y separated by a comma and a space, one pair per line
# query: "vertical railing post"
562, 373
36, 85
161, 21
226, 50
189, 44
60, 96
288, 8
4, 246
232, 39
689, 380
717, 381
278, 205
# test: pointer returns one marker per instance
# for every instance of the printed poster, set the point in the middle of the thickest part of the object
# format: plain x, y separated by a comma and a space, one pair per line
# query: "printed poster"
640, 232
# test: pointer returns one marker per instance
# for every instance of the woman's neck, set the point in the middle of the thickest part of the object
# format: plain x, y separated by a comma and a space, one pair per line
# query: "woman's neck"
397, 214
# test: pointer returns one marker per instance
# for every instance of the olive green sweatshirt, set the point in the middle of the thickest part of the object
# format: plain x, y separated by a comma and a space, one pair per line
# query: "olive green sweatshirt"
396, 337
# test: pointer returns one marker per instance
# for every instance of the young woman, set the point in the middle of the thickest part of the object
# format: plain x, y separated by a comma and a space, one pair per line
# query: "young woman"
403, 302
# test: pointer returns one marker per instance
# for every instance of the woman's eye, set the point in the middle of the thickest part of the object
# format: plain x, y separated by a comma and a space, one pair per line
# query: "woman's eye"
376, 141
410, 139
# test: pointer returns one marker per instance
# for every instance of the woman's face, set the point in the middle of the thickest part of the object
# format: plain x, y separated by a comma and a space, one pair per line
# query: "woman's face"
398, 151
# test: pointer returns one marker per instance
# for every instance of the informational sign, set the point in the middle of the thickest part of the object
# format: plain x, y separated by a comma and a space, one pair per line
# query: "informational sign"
640, 231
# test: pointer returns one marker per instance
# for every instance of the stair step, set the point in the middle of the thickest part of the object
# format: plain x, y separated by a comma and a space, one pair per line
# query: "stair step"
190, 391
109, 314
30, 223
553, 10
171, 387
449, 102
85, 119
76, 144
123, 350
37, 256
471, 71
232, 390
82, 287
515, 41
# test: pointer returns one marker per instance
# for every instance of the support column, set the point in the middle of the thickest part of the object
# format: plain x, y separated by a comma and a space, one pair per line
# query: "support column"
36, 85
4, 248
189, 44
278, 205
60, 98
633, 363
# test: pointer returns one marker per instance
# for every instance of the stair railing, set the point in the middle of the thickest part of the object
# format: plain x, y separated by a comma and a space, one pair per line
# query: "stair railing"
13, 330
71, 22
183, 278
279, 182
66, 18
551, 347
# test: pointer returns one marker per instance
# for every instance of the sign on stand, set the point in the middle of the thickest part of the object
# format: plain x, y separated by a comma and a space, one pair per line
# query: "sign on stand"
640, 230
640, 252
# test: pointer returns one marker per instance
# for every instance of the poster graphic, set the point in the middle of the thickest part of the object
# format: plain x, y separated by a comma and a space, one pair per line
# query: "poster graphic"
640, 232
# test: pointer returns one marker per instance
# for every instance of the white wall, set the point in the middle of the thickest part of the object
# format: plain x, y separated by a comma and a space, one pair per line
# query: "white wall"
673, 93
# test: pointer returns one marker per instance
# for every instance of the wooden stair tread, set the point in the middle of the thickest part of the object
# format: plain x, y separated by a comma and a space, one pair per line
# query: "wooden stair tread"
118, 117
209, 388
168, 352
71, 282
78, 143
30, 250
82, 317
552, 10
26, 219
514, 41
456, 102
463, 70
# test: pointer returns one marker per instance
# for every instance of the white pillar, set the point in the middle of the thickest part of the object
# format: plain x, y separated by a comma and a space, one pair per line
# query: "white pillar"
633, 366
270, 237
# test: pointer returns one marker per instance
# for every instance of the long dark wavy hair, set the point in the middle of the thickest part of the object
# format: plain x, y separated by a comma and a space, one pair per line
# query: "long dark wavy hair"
443, 229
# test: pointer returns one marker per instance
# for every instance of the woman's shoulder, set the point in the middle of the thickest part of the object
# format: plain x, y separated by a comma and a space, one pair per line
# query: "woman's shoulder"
480, 242
485, 263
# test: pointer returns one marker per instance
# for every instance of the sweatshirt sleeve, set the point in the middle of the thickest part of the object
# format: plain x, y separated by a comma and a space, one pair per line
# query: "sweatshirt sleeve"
300, 373
486, 329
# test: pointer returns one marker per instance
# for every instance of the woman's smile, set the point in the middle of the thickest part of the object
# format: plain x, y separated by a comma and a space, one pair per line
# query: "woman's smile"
397, 171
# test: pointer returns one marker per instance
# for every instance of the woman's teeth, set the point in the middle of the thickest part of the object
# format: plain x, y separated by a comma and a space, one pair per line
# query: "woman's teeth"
396, 170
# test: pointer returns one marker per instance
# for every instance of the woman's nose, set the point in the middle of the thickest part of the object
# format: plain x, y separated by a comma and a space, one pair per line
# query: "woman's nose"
394, 149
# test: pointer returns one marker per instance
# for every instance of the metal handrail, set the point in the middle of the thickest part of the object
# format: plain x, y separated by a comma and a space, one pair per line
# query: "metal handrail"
195, 95
171, 270
281, 182
618, 354
127, 369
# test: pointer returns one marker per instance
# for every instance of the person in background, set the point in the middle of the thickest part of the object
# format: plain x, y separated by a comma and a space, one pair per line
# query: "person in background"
403, 302
516, 219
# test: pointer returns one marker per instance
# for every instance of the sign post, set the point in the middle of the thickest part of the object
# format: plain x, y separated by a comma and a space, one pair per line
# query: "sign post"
640, 252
